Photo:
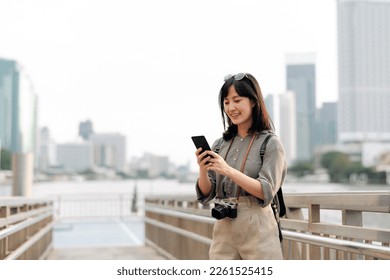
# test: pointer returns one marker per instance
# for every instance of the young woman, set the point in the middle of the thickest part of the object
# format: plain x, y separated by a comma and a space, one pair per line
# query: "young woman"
234, 177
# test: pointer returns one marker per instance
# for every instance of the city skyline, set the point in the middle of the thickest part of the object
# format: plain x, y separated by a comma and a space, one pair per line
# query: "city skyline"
364, 70
152, 70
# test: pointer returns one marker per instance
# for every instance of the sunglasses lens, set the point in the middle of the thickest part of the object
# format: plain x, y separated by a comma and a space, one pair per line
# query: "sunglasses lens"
227, 77
239, 76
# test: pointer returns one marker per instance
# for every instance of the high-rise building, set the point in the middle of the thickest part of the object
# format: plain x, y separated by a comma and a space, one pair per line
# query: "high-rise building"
301, 79
46, 151
109, 150
8, 94
18, 123
18, 108
364, 70
282, 108
75, 157
86, 129
326, 128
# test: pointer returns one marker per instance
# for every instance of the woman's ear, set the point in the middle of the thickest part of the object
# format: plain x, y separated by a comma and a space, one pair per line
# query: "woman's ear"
253, 104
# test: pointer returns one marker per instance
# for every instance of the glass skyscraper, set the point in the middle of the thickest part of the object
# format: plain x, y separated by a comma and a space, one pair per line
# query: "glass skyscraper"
18, 108
301, 79
18, 122
364, 70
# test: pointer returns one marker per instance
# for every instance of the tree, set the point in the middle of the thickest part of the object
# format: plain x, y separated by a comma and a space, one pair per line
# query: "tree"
301, 168
338, 167
6, 160
329, 157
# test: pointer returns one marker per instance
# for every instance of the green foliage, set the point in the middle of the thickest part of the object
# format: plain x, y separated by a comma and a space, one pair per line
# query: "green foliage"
328, 158
340, 168
6, 160
301, 168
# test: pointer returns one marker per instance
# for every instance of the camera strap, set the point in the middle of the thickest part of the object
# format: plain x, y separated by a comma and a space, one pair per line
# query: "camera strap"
243, 161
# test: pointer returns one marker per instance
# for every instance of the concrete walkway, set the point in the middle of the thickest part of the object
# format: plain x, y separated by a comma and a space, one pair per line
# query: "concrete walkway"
112, 239
106, 253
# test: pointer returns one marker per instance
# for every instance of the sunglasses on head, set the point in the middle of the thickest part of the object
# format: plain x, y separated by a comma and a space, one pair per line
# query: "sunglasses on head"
237, 77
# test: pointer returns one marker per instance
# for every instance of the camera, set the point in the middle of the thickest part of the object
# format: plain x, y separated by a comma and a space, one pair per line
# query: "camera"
224, 209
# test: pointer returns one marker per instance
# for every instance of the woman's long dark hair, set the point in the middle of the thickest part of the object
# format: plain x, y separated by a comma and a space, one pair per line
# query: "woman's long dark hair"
246, 87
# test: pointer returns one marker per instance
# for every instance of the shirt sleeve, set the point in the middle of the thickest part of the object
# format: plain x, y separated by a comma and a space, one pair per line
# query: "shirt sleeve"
273, 171
212, 176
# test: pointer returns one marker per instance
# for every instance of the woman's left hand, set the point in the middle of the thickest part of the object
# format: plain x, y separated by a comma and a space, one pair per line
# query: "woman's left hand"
218, 164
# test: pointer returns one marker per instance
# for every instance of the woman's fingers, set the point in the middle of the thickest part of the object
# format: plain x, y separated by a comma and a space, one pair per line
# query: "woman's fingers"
203, 158
198, 151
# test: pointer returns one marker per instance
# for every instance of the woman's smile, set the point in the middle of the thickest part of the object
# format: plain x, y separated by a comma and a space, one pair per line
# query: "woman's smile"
238, 108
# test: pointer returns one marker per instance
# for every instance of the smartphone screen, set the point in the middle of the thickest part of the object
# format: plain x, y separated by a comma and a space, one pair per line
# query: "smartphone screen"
201, 142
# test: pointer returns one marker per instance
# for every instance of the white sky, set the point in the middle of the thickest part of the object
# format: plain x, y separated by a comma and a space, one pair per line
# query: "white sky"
152, 69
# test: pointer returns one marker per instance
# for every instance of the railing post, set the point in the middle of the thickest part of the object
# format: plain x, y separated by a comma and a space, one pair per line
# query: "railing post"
293, 250
58, 210
314, 217
121, 206
352, 218
4, 213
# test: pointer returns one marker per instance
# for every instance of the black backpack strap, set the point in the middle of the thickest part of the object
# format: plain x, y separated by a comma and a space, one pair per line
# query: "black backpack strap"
277, 204
218, 146
264, 146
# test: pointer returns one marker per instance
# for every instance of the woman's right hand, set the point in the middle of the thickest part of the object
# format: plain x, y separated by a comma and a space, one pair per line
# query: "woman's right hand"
202, 159
204, 180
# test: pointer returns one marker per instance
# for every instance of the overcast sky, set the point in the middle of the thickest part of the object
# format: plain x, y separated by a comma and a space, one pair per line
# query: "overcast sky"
152, 70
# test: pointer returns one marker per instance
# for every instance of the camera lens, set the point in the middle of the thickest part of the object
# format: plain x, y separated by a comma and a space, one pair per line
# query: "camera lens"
219, 212
232, 213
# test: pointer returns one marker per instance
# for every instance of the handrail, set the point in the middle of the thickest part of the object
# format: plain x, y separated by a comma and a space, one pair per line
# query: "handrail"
305, 236
22, 225
180, 231
93, 205
339, 244
23, 216
179, 214
378, 201
25, 227
332, 243
30, 242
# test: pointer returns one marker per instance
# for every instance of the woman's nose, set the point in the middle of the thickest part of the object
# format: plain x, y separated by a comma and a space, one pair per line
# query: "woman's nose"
232, 108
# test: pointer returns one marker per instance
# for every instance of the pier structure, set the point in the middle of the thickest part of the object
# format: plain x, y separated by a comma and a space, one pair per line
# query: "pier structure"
181, 228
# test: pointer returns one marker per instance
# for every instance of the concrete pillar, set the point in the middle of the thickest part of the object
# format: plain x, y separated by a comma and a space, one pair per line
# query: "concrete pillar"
22, 169
388, 177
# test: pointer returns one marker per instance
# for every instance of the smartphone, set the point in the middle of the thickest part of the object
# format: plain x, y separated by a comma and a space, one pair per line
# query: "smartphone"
201, 142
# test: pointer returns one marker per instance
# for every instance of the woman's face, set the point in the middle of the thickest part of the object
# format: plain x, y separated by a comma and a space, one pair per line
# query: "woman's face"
238, 108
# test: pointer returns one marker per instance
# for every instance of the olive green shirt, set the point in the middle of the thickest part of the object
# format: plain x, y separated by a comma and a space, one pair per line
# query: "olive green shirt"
271, 175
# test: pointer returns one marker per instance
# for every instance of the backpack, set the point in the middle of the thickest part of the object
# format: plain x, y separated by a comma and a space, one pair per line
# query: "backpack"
277, 205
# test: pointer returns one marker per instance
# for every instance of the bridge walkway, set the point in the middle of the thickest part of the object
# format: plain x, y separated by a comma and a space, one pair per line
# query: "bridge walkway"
101, 239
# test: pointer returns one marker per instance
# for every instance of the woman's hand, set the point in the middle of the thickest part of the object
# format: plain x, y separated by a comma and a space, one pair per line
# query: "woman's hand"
204, 180
218, 164
202, 159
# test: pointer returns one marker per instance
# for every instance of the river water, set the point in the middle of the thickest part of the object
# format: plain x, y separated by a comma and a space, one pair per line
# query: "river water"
168, 187
173, 187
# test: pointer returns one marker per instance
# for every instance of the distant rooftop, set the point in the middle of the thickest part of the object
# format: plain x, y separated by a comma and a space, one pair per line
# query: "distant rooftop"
300, 58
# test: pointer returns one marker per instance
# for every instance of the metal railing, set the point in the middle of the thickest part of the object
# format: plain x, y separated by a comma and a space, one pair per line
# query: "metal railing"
181, 228
25, 228
93, 206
